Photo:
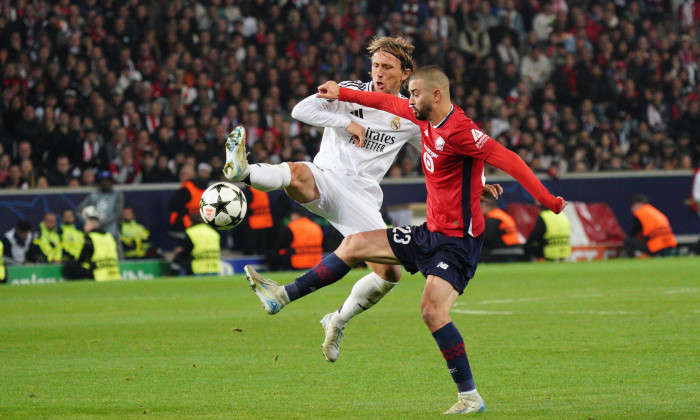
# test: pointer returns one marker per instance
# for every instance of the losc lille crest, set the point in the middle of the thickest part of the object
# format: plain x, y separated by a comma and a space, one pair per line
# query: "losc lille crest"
395, 123
439, 144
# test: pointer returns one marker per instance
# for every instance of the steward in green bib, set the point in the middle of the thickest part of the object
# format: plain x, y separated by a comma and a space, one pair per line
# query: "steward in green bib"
3, 269
199, 251
99, 259
72, 238
135, 236
48, 239
551, 237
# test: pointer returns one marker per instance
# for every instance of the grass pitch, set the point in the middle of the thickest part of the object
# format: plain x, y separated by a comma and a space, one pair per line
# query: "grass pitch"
600, 340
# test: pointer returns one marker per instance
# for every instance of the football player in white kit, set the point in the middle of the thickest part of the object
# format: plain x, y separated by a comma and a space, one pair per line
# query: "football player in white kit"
342, 183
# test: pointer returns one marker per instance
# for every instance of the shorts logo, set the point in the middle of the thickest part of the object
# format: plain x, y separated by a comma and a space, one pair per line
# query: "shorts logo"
395, 123
439, 144
443, 265
479, 138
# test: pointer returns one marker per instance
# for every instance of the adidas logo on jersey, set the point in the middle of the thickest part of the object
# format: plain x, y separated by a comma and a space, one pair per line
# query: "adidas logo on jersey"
479, 138
357, 113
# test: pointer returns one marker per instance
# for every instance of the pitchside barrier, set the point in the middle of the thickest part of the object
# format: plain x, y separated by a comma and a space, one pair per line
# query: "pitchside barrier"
53, 273
666, 190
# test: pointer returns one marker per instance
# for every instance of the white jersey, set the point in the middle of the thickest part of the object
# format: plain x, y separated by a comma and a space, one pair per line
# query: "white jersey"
384, 136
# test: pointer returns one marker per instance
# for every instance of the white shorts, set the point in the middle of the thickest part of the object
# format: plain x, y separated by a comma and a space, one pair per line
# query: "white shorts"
344, 203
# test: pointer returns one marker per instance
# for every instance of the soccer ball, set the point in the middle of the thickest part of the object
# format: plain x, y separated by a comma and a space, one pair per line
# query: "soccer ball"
223, 206
89, 211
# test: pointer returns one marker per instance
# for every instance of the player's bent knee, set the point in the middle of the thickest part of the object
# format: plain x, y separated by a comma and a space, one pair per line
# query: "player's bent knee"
302, 187
434, 316
390, 273
300, 173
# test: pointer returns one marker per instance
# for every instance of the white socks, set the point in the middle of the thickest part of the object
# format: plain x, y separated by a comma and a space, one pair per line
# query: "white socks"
266, 177
365, 293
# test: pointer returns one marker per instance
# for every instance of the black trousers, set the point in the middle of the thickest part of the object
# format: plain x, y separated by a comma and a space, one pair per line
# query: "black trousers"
74, 271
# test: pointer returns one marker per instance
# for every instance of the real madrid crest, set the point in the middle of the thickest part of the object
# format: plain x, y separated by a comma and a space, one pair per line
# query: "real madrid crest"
396, 123
439, 144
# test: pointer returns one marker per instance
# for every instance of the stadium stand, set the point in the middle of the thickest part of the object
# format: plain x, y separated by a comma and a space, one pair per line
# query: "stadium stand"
613, 86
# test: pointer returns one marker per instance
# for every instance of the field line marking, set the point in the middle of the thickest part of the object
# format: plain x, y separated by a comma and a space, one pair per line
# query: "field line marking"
477, 312
681, 291
596, 312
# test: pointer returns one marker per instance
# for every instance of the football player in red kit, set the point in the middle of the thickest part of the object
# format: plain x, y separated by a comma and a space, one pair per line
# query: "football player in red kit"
447, 247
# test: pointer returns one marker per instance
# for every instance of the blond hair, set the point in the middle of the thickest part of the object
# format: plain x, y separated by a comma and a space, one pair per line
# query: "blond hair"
396, 46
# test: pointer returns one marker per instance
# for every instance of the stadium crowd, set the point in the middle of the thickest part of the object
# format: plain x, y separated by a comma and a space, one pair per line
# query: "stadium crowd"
143, 88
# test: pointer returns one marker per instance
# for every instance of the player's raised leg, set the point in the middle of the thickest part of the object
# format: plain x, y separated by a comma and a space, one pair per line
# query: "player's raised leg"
295, 178
236, 166
436, 303
371, 246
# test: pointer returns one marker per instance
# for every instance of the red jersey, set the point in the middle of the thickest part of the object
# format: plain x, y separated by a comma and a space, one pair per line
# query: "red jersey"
453, 159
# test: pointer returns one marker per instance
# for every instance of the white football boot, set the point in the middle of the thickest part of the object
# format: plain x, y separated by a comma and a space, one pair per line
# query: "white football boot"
331, 345
236, 167
467, 402
272, 296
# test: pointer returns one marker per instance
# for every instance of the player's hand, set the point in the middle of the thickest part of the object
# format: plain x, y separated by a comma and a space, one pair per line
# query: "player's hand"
561, 203
491, 190
328, 90
358, 133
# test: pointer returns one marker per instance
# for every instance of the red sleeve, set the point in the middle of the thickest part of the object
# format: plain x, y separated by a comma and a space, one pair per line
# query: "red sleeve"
382, 101
510, 162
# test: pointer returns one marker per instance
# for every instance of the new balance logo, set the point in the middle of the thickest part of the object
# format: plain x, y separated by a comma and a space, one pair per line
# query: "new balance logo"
443, 265
357, 113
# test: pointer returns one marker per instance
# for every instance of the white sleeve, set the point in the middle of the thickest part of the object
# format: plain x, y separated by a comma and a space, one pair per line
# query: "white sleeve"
320, 113
415, 140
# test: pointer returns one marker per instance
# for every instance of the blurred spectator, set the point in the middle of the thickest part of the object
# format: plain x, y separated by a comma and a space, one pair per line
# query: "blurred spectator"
650, 233
62, 173
72, 238
258, 222
502, 241
298, 245
107, 202
19, 246
551, 237
161, 172
3, 266
98, 260
124, 169
543, 23
474, 41
4, 168
48, 239
199, 251
185, 203
134, 236
535, 70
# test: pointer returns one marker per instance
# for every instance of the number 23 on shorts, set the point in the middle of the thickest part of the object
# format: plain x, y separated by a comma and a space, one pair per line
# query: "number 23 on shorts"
402, 235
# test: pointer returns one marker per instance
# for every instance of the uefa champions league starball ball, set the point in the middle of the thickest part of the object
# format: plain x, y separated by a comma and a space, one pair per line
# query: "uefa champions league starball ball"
223, 206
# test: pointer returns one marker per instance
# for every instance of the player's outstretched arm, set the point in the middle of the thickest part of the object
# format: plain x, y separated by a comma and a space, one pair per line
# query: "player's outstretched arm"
382, 101
511, 163
313, 112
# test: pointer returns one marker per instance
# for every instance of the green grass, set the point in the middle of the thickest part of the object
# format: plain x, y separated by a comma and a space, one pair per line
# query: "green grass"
601, 340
